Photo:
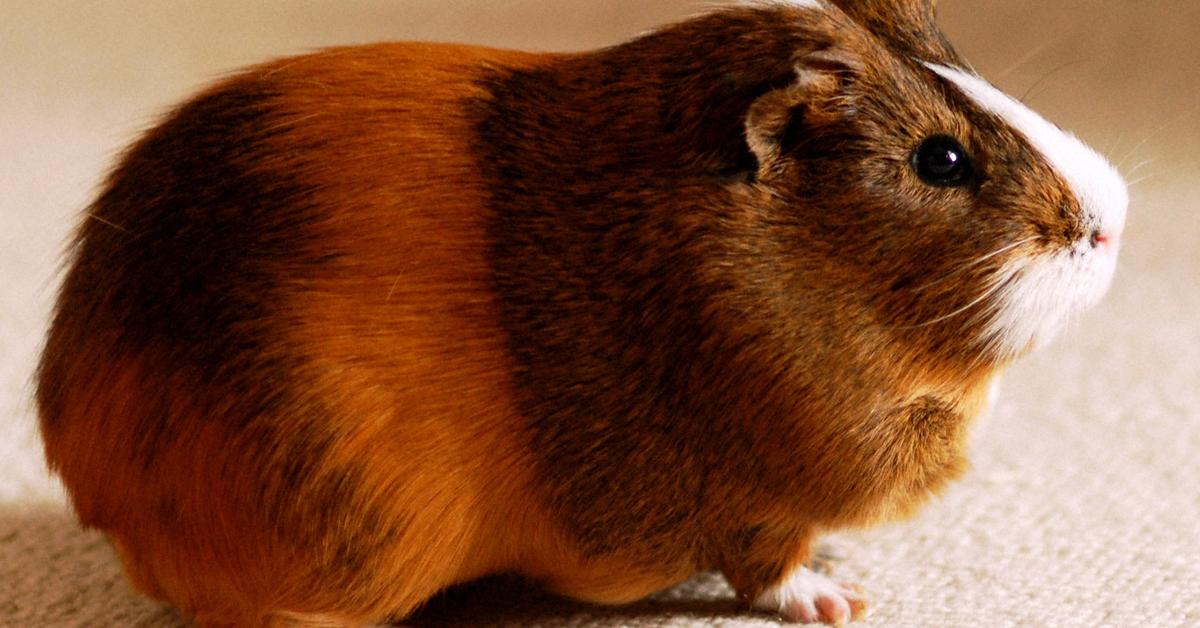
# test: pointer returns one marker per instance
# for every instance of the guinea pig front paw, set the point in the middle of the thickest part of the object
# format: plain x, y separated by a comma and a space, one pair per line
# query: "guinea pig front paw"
809, 597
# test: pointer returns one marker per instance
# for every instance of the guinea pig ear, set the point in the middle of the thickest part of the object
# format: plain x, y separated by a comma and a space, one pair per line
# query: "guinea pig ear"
777, 121
910, 26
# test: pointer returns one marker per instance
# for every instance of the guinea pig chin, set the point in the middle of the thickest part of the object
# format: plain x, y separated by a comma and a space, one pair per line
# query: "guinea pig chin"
1040, 289
1036, 296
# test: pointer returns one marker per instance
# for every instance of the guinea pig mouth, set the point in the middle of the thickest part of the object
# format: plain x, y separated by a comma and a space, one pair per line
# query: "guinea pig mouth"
1039, 295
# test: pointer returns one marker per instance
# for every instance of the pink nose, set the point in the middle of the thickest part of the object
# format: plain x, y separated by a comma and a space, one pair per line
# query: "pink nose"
1107, 237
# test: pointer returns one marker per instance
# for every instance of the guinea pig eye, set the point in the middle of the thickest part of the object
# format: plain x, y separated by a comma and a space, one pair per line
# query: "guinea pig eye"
941, 161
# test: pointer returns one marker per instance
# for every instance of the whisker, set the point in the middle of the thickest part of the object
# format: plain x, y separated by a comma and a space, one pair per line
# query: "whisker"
1025, 58
1051, 73
998, 285
1168, 124
1113, 144
1144, 178
1174, 170
978, 261
1140, 165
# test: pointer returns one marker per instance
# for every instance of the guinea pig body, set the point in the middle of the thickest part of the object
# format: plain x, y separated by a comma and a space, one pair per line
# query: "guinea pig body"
353, 327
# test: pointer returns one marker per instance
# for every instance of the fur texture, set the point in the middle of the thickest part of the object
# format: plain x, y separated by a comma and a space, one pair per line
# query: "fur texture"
360, 325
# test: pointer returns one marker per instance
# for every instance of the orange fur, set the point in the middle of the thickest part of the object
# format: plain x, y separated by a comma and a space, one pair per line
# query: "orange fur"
383, 319
427, 387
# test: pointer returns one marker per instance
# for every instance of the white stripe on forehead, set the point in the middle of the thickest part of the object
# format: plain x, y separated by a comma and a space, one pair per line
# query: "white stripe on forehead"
1100, 189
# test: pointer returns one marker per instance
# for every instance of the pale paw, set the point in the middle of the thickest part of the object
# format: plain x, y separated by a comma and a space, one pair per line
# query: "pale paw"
810, 598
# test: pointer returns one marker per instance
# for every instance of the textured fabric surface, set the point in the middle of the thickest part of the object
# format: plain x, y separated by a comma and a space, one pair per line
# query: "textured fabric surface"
1083, 504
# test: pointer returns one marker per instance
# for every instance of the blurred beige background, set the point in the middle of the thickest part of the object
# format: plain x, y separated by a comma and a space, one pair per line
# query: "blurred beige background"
1084, 506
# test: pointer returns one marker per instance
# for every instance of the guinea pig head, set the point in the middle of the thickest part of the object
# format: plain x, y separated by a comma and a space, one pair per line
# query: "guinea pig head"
950, 219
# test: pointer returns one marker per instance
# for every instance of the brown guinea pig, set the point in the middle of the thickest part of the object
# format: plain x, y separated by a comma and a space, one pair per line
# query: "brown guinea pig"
352, 327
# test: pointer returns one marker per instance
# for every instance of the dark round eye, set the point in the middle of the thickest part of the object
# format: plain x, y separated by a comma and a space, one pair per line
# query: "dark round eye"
943, 162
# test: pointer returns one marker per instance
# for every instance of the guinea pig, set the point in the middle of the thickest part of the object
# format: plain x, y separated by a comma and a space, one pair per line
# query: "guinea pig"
352, 327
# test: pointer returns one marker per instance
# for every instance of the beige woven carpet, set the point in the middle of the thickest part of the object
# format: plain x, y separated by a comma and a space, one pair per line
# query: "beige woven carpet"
1083, 508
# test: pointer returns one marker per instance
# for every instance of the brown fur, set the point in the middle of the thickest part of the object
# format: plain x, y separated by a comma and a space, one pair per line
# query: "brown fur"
353, 327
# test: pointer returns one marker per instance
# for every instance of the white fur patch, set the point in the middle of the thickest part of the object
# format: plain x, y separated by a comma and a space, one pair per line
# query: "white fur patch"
1101, 190
809, 597
1040, 293
1044, 292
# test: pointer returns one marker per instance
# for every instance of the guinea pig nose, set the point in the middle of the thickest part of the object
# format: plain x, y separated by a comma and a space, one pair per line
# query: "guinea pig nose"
1102, 237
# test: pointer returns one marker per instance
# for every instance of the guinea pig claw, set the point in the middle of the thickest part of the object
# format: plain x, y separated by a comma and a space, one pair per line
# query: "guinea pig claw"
809, 597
